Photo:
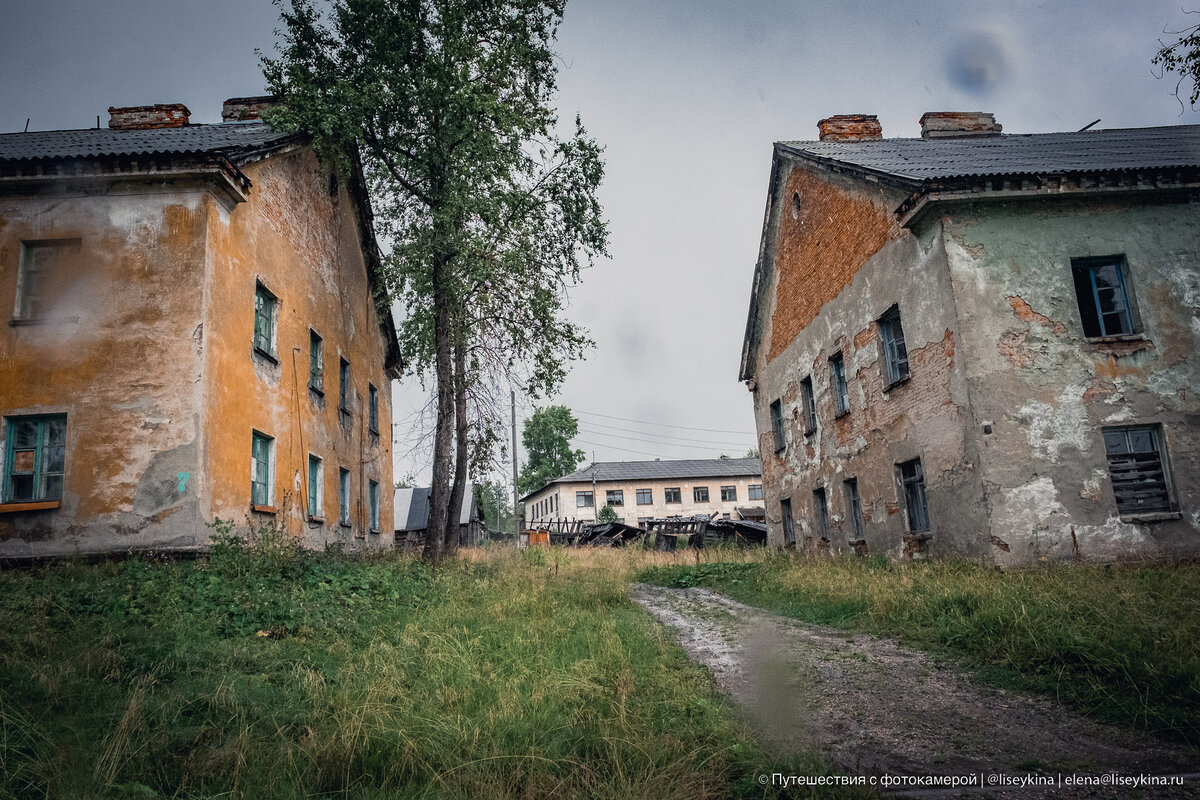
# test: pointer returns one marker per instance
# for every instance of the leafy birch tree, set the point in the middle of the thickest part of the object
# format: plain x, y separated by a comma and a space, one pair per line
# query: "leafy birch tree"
489, 214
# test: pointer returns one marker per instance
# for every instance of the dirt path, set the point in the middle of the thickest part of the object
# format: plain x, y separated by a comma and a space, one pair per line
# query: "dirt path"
874, 707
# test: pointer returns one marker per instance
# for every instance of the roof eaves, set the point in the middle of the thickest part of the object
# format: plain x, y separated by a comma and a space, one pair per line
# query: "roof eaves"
899, 180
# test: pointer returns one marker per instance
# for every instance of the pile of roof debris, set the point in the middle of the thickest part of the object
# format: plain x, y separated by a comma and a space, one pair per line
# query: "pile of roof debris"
665, 535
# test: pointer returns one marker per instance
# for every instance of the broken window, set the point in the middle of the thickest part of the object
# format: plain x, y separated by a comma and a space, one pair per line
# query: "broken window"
373, 501
584, 500
895, 354
316, 364
777, 425
1137, 464
912, 477
262, 468
789, 524
754, 491
372, 408
728, 494
1101, 287
700, 494
42, 271
853, 509
673, 495
820, 513
645, 497
810, 406
35, 459
316, 475
615, 497
264, 320
344, 386
344, 497
841, 392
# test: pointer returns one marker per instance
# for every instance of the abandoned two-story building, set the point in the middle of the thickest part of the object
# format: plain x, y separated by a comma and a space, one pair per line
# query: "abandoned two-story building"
982, 345
196, 334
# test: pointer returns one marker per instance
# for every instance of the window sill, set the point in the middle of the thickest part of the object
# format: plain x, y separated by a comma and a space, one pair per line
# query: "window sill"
319, 392
258, 351
21, 323
1154, 516
919, 536
898, 382
841, 414
41, 505
373, 431
342, 524
260, 509
810, 432
857, 542
375, 531
316, 519
1125, 337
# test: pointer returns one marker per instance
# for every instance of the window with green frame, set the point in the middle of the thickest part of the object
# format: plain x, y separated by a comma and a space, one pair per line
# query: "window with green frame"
373, 496
262, 454
373, 407
344, 496
315, 481
35, 457
264, 320
316, 364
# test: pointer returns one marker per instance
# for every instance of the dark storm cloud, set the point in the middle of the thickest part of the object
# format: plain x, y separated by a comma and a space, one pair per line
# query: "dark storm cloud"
979, 63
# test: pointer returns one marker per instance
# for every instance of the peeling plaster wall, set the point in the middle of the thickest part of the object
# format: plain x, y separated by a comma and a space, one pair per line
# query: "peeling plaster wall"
1047, 391
830, 282
298, 235
119, 357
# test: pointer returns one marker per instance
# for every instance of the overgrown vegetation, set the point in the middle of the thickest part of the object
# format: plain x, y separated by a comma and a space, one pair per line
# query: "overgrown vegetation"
271, 672
1118, 642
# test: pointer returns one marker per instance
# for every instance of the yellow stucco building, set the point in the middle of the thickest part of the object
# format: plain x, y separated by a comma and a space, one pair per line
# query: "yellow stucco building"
195, 334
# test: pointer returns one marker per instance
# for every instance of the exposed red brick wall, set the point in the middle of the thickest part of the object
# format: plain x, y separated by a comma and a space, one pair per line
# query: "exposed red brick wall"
819, 251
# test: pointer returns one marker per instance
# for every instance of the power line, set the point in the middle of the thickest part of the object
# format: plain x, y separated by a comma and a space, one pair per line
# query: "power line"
663, 424
660, 435
624, 449
708, 446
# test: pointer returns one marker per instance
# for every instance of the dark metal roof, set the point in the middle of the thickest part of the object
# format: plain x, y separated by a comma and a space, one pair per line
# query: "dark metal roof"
227, 138
665, 470
1016, 154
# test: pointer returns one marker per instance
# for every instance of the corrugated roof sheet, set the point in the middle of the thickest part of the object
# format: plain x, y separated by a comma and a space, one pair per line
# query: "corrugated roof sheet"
665, 470
98, 142
1018, 154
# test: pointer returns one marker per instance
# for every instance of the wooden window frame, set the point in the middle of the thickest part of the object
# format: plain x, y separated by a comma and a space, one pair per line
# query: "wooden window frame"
316, 362
895, 350
262, 487
667, 495
648, 497
911, 474
266, 321
1088, 295
38, 473
841, 389
729, 494
1132, 472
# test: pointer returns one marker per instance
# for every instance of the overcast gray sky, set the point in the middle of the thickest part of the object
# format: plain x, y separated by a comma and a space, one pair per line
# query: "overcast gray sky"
687, 96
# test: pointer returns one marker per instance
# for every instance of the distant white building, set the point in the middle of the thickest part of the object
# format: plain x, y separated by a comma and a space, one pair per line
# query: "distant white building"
642, 490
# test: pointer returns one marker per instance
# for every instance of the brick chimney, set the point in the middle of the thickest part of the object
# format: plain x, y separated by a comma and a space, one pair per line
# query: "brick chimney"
140, 118
949, 124
245, 109
850, 128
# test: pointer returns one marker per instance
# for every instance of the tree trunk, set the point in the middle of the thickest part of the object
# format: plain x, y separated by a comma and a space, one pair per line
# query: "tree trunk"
462, 457
439, 499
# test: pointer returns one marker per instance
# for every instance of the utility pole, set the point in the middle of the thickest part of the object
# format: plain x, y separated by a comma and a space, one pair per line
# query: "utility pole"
516, 523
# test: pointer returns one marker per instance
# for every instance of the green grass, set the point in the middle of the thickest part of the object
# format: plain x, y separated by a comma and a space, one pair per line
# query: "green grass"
1119, 643
269, 672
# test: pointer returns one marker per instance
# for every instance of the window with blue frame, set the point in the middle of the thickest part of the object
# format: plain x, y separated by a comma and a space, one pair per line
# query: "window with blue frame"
316, 363
35, 458
264, 320
841, 392
344, 497
316, 474
262, 457
373, 408
1105, 302
373, 498
895, 354
344, 386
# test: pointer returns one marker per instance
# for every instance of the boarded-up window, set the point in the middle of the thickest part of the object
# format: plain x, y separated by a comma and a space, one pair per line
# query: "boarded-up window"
912, 477
789, 524
45, 269
1138, 466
